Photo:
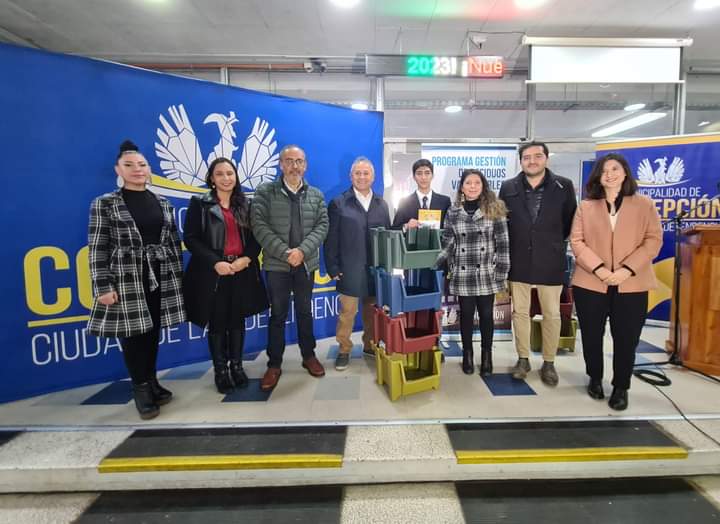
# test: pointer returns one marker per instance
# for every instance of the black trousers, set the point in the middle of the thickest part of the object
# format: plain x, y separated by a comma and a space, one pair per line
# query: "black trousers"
627, 312
484, 305
140, 352
280, 284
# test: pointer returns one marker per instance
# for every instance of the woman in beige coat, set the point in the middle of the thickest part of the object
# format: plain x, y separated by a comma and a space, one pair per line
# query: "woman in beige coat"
615, 236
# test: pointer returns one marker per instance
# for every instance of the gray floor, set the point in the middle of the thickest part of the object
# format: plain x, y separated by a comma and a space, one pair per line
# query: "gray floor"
353, 396
431, 503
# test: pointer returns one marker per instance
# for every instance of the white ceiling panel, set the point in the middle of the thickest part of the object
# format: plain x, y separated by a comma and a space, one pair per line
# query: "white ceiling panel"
197, 31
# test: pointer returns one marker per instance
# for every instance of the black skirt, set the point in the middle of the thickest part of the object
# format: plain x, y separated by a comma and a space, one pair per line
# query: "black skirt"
226, 308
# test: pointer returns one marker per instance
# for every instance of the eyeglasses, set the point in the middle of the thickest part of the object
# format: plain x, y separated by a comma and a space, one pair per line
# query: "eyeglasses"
298, 162
537, 156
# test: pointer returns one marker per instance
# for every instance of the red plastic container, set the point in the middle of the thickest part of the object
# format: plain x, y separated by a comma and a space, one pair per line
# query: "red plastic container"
566, 303
408, 332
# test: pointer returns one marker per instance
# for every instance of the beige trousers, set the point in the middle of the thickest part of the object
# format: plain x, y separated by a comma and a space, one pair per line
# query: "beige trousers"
346, 319
549, 304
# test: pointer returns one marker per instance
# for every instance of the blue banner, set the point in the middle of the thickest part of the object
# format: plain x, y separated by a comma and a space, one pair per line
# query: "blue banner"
680, 174
63, 118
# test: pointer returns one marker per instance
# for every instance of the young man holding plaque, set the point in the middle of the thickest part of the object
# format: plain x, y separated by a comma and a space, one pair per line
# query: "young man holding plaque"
423, 205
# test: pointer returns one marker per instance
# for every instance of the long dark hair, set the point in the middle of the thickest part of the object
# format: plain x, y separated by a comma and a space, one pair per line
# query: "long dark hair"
594, 189
488, 202
239, 203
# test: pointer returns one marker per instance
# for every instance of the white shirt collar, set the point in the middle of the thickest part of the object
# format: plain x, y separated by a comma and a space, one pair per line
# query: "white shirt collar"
364, 200
294, 191
421, 195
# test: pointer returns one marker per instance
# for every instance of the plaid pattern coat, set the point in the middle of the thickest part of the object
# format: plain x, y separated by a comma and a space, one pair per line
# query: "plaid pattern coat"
116, 256
477, 252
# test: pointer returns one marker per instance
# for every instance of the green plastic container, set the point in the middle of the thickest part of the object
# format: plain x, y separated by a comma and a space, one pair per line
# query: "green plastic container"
568, 334
415, 249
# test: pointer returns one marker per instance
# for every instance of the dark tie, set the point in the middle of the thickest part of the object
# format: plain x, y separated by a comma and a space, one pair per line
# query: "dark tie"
424, 206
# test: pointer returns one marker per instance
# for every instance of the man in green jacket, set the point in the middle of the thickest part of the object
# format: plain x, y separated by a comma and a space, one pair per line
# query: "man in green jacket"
290, 221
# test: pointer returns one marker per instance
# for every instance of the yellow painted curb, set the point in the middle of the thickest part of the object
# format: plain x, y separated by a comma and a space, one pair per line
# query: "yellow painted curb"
508, 456
219, 462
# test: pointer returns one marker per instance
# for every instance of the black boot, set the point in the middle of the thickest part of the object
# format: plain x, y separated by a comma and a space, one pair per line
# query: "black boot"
486, 365
161, 396
468, 363
237, 339
217, 342
144, 402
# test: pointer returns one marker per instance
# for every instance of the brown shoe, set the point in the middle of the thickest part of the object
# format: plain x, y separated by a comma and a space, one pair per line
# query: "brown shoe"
314, 367
270, 379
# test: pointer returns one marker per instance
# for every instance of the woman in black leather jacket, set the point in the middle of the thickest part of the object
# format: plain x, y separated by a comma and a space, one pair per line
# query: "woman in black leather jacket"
222, 283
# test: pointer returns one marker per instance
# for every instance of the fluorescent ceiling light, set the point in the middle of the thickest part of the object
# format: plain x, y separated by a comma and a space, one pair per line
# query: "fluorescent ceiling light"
706, 4
345, 3
529, 4
360, 106
453, 109
634, 107
630, 123
703, 123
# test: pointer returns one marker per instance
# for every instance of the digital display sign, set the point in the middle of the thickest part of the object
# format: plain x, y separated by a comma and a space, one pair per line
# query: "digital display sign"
435, 66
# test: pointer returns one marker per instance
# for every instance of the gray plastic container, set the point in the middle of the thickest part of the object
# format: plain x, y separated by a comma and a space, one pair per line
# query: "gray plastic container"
416, 248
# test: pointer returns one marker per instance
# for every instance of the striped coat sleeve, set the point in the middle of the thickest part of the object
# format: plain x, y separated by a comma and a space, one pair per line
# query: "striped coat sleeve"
502, 249
446, 257
99, 248
177, 246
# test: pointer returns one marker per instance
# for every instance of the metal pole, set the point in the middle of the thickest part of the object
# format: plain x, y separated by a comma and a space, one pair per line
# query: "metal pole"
531, 90
224, 76
680, 104
380, 93
531, 98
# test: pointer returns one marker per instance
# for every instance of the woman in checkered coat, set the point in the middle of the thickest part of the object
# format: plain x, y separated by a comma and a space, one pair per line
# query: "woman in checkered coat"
136, 270
476, 250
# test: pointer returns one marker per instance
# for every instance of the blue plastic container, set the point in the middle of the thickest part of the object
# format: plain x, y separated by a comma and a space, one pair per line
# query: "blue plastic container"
417, 289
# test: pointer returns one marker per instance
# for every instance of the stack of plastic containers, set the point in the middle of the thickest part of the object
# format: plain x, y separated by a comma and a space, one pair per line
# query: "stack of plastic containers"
407, 319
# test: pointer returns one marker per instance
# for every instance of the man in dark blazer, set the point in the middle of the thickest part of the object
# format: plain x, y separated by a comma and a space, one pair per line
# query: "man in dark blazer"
424, 198
541, 208
347, 254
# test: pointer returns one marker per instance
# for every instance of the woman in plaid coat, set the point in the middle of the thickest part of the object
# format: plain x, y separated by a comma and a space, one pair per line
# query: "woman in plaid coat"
476, 250
136, 270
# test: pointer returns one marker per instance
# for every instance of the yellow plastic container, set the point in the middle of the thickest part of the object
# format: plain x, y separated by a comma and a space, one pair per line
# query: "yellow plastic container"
568, 334
408, 374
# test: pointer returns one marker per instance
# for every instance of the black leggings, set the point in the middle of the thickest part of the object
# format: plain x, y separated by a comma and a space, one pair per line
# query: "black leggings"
484, 305
140, 352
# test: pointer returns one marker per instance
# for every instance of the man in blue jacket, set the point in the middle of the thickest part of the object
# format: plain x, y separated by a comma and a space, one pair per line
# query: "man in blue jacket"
347, 254
541, 208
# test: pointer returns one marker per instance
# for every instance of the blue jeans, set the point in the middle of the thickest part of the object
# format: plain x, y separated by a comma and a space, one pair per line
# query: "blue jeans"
280, 284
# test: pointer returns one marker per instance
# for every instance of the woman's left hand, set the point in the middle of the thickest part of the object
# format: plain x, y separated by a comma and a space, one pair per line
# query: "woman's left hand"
240, 264
618, 277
